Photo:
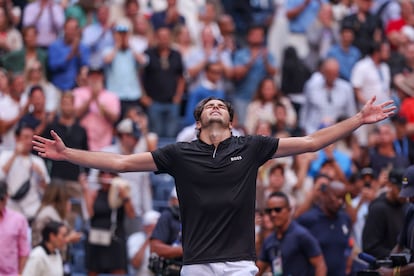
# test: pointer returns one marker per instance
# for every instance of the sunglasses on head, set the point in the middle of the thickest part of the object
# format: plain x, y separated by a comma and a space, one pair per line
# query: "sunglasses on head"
276, 209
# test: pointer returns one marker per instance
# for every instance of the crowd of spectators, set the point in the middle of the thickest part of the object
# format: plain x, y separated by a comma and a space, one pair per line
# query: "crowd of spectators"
125, 76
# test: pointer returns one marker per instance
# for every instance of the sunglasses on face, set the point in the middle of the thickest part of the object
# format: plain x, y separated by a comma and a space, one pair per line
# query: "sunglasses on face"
275, 209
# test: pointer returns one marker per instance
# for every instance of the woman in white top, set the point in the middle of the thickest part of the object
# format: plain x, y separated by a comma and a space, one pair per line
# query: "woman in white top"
10, 37
35, 75
263, 104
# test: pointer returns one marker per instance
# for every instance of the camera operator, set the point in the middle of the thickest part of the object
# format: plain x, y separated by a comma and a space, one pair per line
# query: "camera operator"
385, 218
406, 240
165, 241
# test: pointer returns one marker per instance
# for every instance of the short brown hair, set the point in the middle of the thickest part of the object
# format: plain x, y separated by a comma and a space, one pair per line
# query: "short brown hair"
200, 107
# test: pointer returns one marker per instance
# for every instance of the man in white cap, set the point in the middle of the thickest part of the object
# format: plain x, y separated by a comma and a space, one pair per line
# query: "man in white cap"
138, 245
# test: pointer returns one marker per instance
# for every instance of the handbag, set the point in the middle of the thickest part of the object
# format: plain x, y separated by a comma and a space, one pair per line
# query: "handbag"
22, 191
103, 237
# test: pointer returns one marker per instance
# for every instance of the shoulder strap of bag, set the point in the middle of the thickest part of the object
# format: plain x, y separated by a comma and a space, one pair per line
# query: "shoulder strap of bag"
113, 221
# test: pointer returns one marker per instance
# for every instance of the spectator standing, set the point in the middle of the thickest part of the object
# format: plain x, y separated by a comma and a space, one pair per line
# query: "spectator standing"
139, 245
166, 240
208, 52
38, 117
290, 249
67, 125
326, 99
122, 64
45, 259
385, 218
109, 257
140, 118
207, 17
12, 109
294, 73
128, 139
25, 173
405, 240
142, 34
365, 188
263, 13
207, 87
321, 35
35, 76
251, 64
97, 109
16, 61
164, 85
331, 226
98, 36
262, 106
301, 14
371, 76
67, 57
367, 27
14, 243
48, 17
344, 52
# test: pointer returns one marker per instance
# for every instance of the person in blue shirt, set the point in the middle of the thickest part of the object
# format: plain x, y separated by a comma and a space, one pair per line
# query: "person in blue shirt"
251, 65
291, 249
67, 57
328, 222
207, 88
345, 53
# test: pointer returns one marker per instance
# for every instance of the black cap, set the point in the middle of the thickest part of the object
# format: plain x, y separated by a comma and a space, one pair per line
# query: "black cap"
407, 189
395, 176
367, 171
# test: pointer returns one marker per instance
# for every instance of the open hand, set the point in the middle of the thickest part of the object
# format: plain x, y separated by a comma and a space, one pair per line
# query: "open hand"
52, 149
374, 113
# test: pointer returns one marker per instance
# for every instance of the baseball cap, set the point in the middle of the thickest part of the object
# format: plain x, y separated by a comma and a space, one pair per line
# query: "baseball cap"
367, 171
395, 176
127, 126
150, 217
407, 189
121, 28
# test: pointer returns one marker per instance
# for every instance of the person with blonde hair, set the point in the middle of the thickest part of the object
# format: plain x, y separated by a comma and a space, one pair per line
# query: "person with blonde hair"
34, 74
55, 206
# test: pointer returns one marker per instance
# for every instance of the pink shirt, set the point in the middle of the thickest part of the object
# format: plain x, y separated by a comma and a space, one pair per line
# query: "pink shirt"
13, 241
98, 129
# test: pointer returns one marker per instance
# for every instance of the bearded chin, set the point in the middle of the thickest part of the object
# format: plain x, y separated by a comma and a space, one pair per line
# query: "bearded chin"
215, 121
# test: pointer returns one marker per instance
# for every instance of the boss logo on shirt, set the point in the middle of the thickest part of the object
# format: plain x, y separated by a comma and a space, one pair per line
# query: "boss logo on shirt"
235, 158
